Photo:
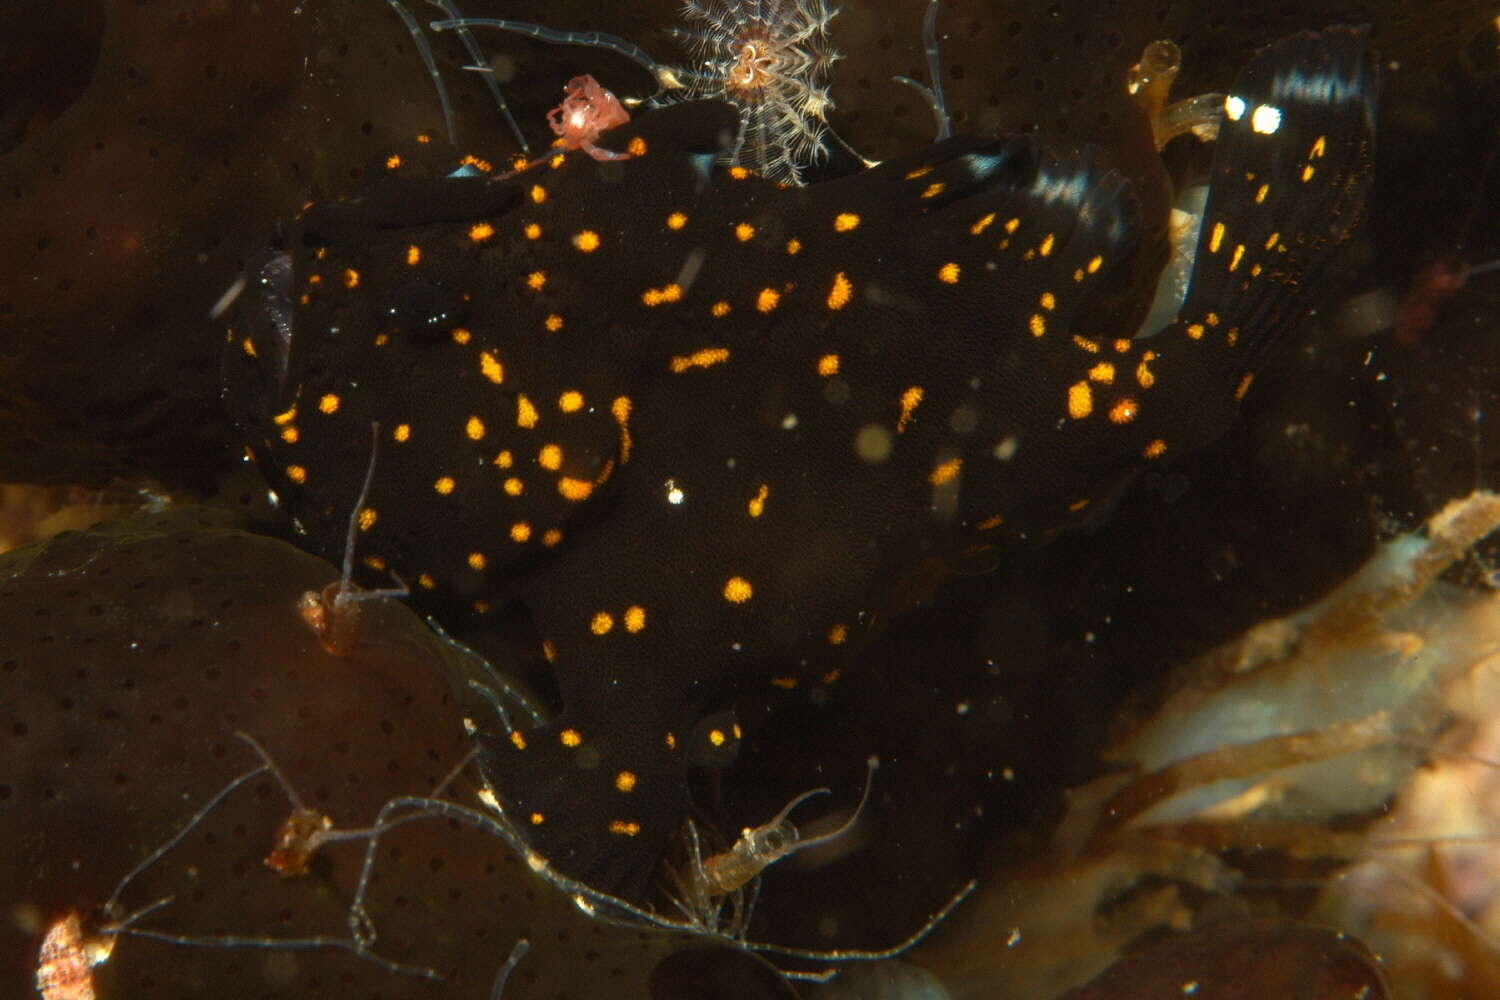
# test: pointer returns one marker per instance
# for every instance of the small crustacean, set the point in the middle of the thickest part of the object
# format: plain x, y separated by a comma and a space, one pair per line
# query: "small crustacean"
586, 111
708, 882
333, 612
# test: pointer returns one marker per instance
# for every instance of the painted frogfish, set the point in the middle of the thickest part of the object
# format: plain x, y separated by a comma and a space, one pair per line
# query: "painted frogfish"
700, 427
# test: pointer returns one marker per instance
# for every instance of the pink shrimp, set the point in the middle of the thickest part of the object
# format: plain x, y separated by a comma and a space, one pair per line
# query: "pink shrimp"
587, 111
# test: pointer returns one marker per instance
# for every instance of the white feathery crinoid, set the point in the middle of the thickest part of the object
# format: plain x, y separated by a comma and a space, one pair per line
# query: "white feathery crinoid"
770, 58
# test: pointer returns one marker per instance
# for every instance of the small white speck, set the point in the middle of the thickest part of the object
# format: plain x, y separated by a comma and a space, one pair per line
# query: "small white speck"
674, 492
789, 422
1006, 449
964, 707
1234, 107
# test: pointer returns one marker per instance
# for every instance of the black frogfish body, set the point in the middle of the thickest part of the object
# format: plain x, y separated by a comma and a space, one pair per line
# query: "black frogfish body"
696, 423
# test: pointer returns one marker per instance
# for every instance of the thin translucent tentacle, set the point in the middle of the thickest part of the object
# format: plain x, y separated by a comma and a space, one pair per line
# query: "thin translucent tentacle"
425, 51
932, 94
176, 838
481, 64
593, 39
275, 943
